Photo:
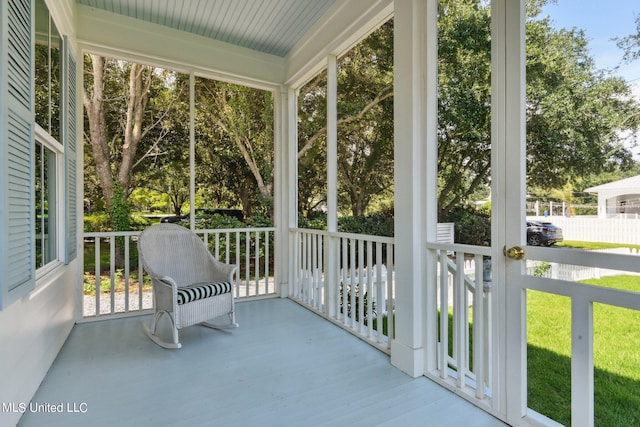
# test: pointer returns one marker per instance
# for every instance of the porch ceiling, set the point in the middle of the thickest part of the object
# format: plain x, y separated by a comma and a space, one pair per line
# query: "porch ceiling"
257, 43
269, 26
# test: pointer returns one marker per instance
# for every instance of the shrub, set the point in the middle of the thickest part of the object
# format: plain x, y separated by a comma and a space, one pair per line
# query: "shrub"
316, 223
139, 223
97, 222
217, 221
259, 221
472, 227
375, 225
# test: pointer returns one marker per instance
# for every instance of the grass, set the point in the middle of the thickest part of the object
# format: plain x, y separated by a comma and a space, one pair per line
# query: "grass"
616, 356
119, 283
105, 281
579, 244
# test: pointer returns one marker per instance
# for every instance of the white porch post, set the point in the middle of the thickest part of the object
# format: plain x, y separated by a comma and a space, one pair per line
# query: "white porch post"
430, 62
192, 150
332, 143
407, 348
286, 186
331, 260
602, 205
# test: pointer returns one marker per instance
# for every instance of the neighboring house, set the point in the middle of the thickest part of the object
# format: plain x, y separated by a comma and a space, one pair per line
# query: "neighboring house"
618, 198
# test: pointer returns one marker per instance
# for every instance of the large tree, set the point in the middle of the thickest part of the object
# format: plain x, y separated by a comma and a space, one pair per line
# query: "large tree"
126, 106
99, 136
576, 113
235, 148
365, 127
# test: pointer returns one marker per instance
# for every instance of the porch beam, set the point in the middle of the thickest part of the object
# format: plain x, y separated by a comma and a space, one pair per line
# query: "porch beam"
407, 348
137, 40
342, 27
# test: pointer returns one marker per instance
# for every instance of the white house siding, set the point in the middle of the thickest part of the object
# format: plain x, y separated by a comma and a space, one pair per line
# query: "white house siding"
32, 331
618, 198
34, 327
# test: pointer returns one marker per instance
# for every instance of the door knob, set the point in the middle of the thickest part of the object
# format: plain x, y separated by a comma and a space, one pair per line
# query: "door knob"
515, 252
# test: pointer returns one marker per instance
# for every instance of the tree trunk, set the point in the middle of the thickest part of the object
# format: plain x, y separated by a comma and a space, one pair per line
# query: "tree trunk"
244, 197
94, 106
138, 97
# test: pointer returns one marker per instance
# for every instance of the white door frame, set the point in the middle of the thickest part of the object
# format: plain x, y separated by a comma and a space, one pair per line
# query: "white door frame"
508, 181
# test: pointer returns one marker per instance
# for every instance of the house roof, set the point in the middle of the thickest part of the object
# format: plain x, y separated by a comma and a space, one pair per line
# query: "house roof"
269, 26
628, 184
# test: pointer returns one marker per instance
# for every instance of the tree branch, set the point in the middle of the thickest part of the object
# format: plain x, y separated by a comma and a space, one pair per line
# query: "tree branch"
377, 100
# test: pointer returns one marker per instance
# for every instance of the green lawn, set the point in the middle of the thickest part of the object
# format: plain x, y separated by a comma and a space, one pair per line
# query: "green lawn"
579, 244
616, 357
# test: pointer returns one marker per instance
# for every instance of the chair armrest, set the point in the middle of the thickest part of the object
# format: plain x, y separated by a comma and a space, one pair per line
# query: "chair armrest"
165, 292
167, 281
226, 270
164, 284
220, 271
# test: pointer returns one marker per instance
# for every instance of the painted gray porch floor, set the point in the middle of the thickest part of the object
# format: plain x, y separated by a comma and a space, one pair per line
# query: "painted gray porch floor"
283, 366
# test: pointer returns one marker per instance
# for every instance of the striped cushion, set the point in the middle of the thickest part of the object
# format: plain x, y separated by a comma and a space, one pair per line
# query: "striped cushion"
202, 290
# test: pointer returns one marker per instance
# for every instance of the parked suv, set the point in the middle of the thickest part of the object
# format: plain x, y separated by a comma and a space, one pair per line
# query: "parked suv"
205, 213
543, 233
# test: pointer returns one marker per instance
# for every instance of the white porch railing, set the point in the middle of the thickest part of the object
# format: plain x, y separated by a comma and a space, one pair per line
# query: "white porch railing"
347, 278
112, 287
464, 313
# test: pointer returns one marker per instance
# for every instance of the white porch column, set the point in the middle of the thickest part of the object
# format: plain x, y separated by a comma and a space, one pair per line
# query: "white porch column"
331, 252
407, 348
332, 143
192, 151
286, 185
602, 206
430, 62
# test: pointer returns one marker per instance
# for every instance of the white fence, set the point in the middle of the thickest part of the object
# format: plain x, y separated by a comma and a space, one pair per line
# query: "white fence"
591, 229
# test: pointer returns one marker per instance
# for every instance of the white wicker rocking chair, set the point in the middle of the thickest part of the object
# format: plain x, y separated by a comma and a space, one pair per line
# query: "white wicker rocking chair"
189, 284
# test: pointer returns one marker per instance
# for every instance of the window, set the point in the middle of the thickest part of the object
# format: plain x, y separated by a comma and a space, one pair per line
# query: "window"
48, 155
49, 152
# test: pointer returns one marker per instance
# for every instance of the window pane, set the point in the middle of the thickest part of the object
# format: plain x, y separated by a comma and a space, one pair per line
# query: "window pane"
47, 72
42, 70
46, 236
54, 80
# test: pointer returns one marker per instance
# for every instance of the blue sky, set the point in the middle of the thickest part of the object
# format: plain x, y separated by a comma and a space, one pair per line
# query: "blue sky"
602, 21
